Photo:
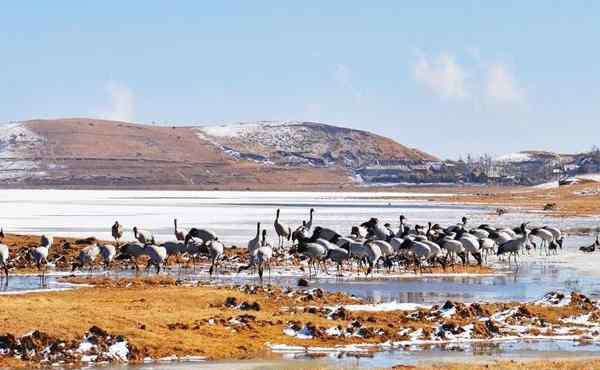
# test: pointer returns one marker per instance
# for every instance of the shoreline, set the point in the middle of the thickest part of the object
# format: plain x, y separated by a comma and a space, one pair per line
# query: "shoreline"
161, 318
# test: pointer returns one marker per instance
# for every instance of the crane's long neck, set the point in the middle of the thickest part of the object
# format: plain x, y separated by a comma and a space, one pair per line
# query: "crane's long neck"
257, 230
175, 222
311, 217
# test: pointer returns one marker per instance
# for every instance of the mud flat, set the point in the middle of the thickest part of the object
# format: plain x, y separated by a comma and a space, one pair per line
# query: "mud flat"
147, 319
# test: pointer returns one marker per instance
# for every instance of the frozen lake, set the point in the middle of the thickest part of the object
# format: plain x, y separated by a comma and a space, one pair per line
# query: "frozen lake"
232, 215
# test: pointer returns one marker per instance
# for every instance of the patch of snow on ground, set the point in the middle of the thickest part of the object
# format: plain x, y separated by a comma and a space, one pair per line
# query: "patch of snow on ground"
590, 177
384, 307
514, 157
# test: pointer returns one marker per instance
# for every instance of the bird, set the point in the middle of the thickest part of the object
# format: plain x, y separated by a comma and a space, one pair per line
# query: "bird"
39, 254
87, 257
174, 249
263, 255
309, 223
143, 236
301, 232
254, 243
108, 253
471, 245
260, 255
558, 236
117, 231
283, 232
512, 247
545, 236
157, 256
4, 255
487, 246
216, 250
179, 234
339, 256
592, 247
315, 253
204, 234
131, 251
324, 233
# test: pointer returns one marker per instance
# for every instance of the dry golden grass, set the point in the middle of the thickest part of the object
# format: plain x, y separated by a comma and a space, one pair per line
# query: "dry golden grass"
570, 200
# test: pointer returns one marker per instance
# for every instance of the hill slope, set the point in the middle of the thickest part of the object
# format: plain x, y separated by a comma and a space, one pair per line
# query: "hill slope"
91, 152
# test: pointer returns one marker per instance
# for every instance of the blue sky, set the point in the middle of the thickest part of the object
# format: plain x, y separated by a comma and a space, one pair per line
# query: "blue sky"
479, 77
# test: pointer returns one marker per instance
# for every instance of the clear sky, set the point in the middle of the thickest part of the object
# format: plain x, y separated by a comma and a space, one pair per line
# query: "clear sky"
449, 77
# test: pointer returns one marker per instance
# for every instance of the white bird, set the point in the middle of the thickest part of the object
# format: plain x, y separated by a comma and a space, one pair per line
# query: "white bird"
262, 256
216, 251
487, 246
545, 236
87, 257
143, 236
40, 254
452, 247
471, 245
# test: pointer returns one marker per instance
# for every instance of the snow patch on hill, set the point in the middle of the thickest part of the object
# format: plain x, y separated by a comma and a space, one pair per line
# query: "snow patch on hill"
243, 129
17, 140
514, 157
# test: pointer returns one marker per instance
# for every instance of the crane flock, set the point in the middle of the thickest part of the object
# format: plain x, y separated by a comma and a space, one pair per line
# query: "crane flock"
370, 246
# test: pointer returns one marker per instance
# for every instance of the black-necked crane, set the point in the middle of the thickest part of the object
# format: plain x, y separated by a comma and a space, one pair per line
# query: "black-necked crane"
143, 236
39, 254
131, 251
283, 232
512, 247
117, 232
157, 255
254, 243
108, 253
179, 233
87, 257
309, 223
216, 251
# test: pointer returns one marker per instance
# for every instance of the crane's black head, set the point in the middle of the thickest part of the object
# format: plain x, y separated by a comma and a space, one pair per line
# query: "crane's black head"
387, 225
402, 218
135, 229
312, 210
464, 220
1, 233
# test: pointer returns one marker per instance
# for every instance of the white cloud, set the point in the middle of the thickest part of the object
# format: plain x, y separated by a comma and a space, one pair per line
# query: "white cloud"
122, 105
502, 86
442, 75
